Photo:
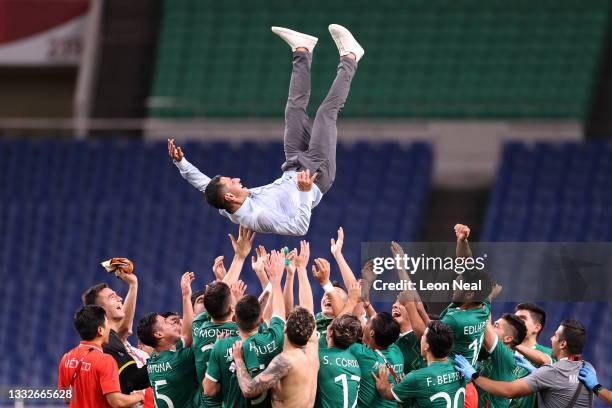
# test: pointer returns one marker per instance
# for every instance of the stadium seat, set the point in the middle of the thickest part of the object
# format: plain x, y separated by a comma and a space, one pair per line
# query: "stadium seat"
67, 206
442, 59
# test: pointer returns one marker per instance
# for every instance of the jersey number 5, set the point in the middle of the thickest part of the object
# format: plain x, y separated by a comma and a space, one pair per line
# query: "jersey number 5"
162, 397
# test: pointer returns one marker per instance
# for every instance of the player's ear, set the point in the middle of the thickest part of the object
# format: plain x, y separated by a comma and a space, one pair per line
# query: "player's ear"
538, 327
229, 197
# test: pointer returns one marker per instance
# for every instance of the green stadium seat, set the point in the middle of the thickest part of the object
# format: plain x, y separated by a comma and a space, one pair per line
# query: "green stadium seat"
448, 58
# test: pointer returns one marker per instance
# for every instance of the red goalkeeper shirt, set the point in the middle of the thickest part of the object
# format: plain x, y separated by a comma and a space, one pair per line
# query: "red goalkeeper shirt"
90, 373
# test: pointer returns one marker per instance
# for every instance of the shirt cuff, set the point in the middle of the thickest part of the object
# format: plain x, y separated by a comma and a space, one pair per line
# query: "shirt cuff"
395, 396
182, 165
305, 197
211, 378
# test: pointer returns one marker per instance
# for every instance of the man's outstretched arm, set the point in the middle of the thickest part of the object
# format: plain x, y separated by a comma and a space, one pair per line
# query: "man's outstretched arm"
188, 171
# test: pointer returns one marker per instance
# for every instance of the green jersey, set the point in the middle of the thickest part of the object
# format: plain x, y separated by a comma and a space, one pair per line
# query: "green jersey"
531, 400
369, 360
173, 378
338, 379
411, 350
469, 327
258, 350
436, 386
205, 333
222, 370
322, 323
500, 365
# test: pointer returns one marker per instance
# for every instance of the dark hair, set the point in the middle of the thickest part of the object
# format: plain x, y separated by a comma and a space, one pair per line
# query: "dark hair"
196, 295
536, 312
440, 337
574, 335
248, 312
217, 300
481, 277
519, 330
90, 295
87, 320
386, 329
215, 192
168, 314
345, 331
145, 329
300, 325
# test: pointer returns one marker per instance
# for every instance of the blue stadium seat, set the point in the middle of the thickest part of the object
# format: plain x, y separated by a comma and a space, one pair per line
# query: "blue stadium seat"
68, 205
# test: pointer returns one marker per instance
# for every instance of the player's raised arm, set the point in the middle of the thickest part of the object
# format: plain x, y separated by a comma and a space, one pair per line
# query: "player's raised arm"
188, 171
354, 296
463, 250
258, 266
290, 267
126, 274
321, 272
242, 247
186, 328
274, 267
218, 268
336, 249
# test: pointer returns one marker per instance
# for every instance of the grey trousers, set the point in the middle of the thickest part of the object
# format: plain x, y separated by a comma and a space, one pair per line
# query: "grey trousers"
313, 146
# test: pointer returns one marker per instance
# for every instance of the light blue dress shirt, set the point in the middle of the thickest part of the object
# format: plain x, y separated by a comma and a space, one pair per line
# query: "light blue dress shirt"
278, 207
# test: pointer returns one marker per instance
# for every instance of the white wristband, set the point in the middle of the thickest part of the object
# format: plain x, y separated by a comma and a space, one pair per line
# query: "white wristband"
328, 287
268, 288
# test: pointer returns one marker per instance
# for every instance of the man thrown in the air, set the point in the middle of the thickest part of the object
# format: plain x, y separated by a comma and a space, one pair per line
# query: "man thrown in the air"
284, 206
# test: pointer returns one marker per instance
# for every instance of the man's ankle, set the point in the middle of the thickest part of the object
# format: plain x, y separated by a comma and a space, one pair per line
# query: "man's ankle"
301, 49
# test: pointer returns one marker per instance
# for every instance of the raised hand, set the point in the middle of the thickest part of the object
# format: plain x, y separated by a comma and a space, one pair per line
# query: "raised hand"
462, 232
321, 271
290, 261
301, 261
397, 250
186, 280
258, 263
219, 268
336, 244
125, 271
274, 267
243, 245
305, 180
175, 152
354, 292
238, 289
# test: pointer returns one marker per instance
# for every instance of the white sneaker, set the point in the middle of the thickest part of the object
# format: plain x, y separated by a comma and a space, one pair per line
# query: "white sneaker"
296, 39
345, 41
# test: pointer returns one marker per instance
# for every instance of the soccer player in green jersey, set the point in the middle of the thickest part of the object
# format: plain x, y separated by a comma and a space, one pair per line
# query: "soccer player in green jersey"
339, 372
172, 367
292, 375
438, 384
535, 319
377, 348
408, 341
499, 364
207, 326
259, 347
